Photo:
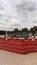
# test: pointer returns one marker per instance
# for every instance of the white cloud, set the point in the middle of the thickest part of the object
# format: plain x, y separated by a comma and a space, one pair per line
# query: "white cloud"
21, 10
10, 25
13, 23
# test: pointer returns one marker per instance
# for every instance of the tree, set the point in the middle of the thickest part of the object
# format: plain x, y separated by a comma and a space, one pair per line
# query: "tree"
16, 31
25, 30
2, 32
33, 30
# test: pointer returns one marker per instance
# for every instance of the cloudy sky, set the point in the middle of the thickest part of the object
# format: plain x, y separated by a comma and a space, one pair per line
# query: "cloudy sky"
22, 11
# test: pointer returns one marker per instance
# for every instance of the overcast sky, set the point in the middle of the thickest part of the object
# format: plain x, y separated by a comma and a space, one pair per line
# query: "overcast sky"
22, 11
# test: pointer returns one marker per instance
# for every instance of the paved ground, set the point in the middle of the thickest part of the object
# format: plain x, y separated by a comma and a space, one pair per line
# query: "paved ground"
9, 58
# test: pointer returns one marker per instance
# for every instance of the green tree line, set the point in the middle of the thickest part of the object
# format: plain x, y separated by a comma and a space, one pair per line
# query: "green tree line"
32, 30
